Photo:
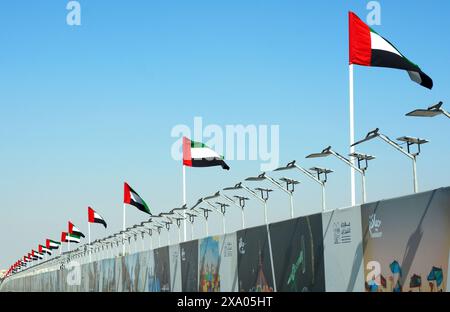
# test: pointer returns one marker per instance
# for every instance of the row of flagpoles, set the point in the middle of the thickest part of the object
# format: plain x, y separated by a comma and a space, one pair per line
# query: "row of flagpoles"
195, 154
366, 48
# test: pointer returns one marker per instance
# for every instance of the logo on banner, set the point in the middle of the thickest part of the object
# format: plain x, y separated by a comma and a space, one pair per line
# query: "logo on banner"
183, 255
342, 233
375, 227
241, 246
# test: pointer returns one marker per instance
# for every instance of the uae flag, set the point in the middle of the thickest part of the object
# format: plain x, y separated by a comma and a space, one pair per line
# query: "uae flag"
37, 255
43, 249
132, 198
63, 237
74, 230
51, 244
196, 154
73, 238
367, 48
94, 217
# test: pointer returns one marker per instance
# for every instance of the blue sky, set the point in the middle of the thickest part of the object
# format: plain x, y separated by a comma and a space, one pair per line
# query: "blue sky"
84, 108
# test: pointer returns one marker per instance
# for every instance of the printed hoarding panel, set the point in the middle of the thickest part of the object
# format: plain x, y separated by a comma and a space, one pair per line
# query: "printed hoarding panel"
162, 269
175, 268
343, 250
108, 280
228, 268
189, 266
407, 242
297, 247
208, 264
254, 263
130, 272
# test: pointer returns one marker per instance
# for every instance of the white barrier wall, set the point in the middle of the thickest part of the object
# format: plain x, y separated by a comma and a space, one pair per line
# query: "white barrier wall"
401, 244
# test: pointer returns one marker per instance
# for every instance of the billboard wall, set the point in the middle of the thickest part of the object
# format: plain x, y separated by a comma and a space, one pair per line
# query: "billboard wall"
401, 244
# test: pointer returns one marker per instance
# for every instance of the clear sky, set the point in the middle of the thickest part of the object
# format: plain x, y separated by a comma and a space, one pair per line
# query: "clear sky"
84, 108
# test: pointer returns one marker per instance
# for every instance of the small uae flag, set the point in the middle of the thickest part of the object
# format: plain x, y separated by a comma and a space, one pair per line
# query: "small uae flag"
63, 237
37, 255
72, 238
74, 230
94, 217
367, 48
51, 244
196, 154
43, 249
132, 198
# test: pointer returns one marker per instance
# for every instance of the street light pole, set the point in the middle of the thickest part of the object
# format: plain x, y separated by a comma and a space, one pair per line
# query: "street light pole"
293, 165
408, 140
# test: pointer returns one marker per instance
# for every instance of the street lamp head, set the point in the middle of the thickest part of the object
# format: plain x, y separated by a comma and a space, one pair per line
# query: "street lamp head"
361, 156
319, 170
431, 111
216, 195
325, 153
222, 204
289, 166
412, 140
371, 135
289, 181
238, 186
261, 177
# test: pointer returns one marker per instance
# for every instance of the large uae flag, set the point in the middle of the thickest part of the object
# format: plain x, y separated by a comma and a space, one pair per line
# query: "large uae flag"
74, 230
196, 154
367, 48
132, 198
94, 217
51, 244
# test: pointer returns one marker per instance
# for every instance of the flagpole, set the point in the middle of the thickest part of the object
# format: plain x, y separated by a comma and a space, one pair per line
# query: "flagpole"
89, 241
123, 229
352, 135
184, 200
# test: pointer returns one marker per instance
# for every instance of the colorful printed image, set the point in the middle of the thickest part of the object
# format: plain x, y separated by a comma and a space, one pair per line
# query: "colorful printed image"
108, 283
162, 269
130, 272
297, 247
209, 263
254, 260
407, 242
189, 266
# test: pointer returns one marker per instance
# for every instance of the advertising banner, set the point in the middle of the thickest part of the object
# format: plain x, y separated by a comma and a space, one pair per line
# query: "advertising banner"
189, 266
175, 268
162, 269
343, 250
297, 248
406, 243
254, 262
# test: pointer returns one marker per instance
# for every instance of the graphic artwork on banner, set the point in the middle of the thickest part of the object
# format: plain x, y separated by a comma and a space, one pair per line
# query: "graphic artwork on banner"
407, 243
162, 269
130, 272
298, 254
254, 263
189, 266
209, 263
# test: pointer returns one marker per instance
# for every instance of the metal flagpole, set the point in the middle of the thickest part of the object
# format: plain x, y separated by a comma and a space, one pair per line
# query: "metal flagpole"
352, 134
184, 201
89, 241
123, 229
